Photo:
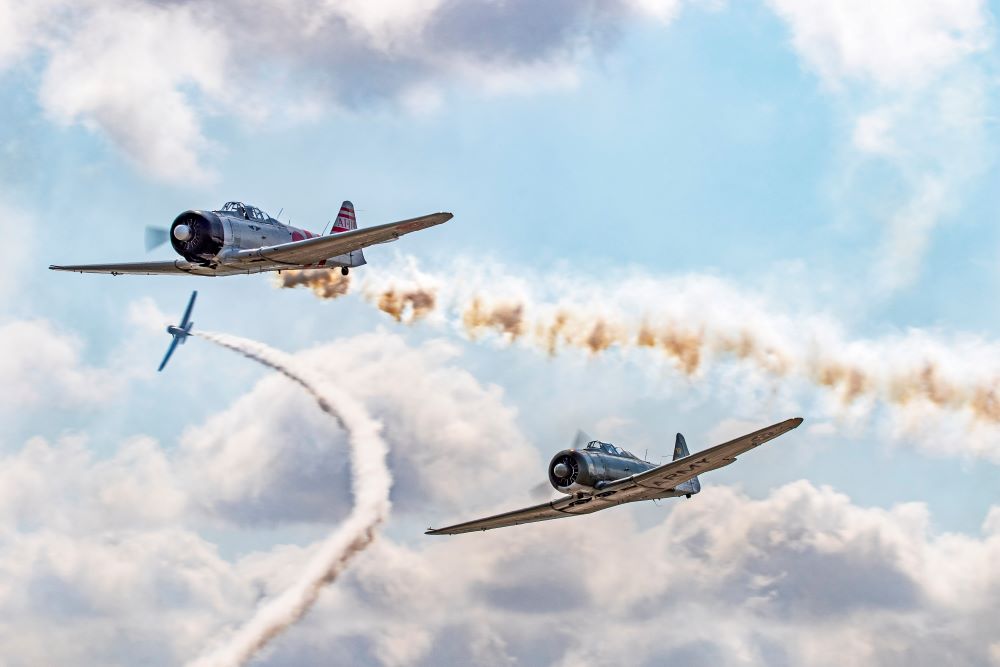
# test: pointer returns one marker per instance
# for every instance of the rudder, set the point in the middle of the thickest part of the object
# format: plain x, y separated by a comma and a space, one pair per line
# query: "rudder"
680, 451
346, 220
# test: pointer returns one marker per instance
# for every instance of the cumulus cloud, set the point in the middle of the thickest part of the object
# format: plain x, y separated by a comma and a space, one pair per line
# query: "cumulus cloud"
146, 74
42, 366
802, 576
439, 422
109, 548
125, 69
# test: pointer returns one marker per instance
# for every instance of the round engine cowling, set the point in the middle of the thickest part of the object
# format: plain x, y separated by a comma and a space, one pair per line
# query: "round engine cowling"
572, 470
197, 235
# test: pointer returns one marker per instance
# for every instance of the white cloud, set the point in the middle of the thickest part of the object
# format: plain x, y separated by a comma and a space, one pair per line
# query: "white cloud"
439, 421
801, 577
108, 549
891, 43
146, 74
42, 366
915, 92
128, 70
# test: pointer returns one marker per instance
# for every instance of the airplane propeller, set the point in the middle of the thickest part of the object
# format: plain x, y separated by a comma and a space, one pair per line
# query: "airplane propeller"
541, 491
155, 237
580, 440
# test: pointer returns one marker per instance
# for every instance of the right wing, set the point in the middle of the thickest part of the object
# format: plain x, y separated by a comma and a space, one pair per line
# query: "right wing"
555, 509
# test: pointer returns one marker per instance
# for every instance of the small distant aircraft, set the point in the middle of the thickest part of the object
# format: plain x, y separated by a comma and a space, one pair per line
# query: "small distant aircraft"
180, 332
600, 475
241, 239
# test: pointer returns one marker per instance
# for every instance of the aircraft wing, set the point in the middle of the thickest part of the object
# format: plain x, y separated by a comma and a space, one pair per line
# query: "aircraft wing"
314, 250
176, 267
170, 351
658, 482
187, 311
555, 509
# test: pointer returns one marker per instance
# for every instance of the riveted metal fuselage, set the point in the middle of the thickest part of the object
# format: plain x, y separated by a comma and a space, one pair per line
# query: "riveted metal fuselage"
210, 237
587, 468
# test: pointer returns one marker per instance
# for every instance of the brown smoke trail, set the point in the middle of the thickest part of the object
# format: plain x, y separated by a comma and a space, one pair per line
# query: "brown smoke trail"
370, 483
406, 305
694, 323
325, 283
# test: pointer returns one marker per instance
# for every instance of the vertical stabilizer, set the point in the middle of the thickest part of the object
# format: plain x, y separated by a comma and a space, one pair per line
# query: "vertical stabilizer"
680, 447
346, 220
680, 451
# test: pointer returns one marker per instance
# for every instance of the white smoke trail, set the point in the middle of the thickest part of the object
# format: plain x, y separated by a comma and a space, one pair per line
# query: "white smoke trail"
370, 484
949, 385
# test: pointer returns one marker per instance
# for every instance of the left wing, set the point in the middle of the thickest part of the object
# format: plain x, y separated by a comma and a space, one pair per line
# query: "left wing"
311, 251
187, 311
170, 351
556, 509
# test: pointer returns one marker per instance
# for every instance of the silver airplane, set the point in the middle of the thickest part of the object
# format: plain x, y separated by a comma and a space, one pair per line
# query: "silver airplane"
180, 332
600, 475
240, 239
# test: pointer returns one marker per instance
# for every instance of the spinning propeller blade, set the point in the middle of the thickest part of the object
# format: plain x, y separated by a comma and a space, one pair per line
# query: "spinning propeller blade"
155, 237
580, 441
541, 491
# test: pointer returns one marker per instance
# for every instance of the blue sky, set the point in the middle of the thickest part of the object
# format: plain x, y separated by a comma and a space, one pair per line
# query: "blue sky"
832, 162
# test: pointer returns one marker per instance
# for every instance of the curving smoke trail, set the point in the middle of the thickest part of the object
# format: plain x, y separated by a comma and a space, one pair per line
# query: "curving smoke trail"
370, 484
695, 322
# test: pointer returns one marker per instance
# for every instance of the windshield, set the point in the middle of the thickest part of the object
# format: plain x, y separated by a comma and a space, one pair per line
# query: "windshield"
608, 448
245, 211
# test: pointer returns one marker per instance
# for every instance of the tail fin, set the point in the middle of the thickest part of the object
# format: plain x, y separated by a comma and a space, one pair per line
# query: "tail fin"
345, 219
680, 451
680, 447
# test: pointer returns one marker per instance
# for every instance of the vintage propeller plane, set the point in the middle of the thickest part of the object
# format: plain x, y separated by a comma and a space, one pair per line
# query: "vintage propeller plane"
241, 239
179, 332
599, 475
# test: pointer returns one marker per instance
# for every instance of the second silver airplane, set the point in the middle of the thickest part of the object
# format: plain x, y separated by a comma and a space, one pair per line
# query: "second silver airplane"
599, 476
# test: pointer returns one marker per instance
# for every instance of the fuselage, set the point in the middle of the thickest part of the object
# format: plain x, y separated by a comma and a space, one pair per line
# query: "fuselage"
586, 470
179, 332
210, 238
574, 470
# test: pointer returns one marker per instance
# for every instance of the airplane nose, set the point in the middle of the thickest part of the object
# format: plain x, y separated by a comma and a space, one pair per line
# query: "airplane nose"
560, 470
182, 232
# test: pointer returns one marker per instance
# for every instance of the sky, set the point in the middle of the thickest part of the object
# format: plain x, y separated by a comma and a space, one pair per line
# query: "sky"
802, 189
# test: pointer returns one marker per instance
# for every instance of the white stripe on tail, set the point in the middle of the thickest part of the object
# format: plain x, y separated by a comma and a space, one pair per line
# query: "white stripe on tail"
345, 219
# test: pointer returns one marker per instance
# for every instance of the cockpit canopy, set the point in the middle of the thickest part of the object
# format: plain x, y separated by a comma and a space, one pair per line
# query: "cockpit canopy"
244, 211
608, 448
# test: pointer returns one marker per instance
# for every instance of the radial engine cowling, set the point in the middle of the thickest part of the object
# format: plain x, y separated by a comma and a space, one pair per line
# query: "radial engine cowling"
572, 470
197, 236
